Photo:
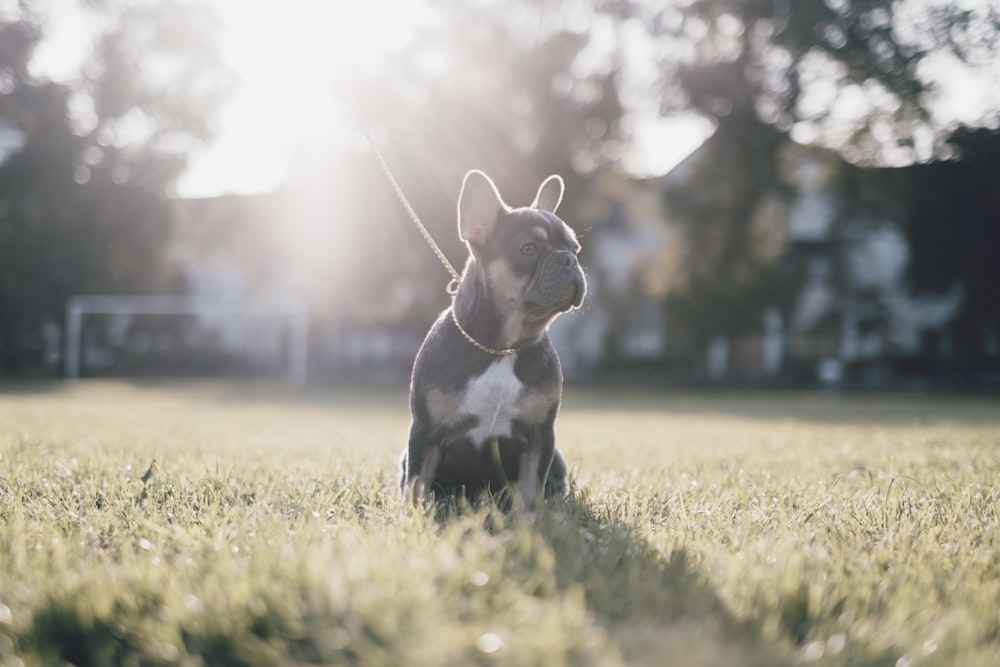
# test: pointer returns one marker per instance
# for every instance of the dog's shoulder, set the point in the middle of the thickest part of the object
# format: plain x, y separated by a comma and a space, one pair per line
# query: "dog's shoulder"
445, 359
538, 364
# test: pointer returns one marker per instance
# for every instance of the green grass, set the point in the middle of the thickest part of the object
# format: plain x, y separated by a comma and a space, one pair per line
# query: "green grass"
703, 530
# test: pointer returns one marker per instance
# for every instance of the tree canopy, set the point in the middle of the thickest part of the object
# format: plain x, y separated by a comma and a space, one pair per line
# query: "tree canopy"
866, 78
81, 196
863, 77
953, 224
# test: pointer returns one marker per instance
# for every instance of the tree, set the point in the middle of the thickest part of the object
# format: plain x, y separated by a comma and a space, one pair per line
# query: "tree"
81, 198
727, 273
953, 223
851, 75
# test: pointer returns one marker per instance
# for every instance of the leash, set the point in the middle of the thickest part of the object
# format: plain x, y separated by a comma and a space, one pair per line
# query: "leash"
456, 278
452, 287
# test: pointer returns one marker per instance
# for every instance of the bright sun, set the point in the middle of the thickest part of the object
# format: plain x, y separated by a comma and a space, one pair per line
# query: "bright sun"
287, 55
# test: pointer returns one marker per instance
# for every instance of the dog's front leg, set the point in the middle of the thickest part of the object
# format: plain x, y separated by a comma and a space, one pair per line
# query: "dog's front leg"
422, 461
533, 467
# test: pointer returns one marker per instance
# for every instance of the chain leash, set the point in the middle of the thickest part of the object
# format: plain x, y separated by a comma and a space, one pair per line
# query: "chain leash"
456, 278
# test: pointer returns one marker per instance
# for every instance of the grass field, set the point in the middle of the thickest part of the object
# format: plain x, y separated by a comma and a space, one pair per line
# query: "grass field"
702, 530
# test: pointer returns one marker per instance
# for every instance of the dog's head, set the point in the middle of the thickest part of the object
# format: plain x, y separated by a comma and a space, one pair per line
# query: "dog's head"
526, 256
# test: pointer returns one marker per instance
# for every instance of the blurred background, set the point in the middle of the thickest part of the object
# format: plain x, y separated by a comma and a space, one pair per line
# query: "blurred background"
769, 193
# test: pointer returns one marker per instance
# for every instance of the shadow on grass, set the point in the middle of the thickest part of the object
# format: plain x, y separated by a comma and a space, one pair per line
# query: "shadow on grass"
660, 610
656, 607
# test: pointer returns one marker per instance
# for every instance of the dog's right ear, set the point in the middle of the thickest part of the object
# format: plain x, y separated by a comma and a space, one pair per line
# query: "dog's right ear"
550, 194
479, 206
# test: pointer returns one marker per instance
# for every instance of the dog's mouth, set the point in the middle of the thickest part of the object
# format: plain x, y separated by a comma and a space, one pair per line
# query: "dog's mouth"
560, 287
574, 297
568, 297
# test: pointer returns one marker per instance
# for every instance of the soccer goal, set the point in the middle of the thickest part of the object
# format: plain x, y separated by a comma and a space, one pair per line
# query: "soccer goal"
292, 310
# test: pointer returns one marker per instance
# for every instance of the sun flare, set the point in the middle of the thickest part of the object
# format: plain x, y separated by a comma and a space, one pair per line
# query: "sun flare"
287, 57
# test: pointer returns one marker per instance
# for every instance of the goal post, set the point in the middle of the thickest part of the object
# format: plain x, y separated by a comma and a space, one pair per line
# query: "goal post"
291, 308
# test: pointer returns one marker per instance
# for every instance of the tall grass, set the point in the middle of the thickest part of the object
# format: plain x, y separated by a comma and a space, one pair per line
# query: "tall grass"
216, 525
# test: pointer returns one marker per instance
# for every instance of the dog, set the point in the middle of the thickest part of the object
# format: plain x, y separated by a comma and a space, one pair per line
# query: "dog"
487, 382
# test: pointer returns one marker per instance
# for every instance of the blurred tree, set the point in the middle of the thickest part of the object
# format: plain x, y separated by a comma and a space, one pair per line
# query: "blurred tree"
727, 272
953, 222
852, 75
81, 195
858, 76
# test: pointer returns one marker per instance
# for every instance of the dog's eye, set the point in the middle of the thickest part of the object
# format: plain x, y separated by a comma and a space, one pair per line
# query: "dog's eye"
529, 249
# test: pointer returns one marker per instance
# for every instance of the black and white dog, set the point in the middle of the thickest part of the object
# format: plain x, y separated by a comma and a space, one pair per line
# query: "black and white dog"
486, 382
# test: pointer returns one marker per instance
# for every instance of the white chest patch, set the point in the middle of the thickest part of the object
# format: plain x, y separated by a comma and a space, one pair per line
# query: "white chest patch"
493, 398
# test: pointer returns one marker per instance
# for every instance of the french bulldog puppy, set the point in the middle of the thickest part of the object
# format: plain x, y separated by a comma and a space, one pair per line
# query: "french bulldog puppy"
487, 382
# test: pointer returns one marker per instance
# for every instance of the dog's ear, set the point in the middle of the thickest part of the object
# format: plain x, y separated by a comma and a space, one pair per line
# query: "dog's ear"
550, 194
479, 206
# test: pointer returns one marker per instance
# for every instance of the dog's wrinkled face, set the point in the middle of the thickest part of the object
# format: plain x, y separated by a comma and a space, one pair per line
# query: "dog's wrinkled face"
532, 257
528, 255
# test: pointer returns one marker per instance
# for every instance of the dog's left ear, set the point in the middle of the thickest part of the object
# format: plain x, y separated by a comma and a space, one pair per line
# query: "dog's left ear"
479, 205
550, 194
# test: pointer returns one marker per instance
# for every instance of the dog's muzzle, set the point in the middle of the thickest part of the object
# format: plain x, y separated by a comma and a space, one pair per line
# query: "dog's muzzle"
561, 285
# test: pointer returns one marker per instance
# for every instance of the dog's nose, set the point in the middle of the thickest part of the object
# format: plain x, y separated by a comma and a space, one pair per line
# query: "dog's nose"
564, 257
